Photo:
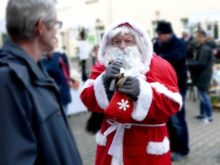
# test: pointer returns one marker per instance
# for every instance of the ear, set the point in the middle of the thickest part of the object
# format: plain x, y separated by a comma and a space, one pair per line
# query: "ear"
40, 26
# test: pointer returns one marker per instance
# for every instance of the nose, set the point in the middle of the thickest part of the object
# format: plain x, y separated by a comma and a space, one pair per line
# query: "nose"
122, 45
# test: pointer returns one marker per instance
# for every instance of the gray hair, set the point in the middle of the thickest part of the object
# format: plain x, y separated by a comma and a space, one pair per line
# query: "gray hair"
23, 15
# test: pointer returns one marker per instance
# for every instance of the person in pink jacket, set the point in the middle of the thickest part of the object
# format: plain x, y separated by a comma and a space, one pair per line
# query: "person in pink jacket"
136, 91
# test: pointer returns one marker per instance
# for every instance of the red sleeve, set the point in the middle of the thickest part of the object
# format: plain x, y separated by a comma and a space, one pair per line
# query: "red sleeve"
159, 96
166, 97
88, 94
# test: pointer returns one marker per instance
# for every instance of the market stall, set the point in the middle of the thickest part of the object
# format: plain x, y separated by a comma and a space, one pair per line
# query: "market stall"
215, 86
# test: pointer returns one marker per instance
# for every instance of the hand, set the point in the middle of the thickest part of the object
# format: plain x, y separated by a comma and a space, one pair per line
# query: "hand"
112, 70
131, 87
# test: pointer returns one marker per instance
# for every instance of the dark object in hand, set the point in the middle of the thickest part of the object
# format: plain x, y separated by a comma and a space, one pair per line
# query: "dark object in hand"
94, 122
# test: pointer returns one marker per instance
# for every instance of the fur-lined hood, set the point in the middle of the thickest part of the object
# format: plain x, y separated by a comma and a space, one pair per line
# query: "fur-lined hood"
144, 43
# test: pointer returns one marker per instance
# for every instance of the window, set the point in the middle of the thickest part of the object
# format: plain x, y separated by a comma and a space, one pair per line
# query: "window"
216, 30
185, 22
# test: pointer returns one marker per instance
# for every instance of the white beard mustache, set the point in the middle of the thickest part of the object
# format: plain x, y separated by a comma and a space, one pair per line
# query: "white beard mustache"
130, 57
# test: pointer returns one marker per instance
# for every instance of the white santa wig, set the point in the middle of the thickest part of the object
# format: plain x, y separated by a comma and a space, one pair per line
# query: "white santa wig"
143, 41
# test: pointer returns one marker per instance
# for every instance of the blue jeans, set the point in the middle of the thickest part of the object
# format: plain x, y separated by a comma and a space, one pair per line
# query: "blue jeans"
205, 103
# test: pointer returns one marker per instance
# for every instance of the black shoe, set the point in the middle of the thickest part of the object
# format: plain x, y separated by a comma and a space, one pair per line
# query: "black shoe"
199, 117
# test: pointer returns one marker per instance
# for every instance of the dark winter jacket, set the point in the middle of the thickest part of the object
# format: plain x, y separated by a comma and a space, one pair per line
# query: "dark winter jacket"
33, 127
174, 51
200, 66
189, 46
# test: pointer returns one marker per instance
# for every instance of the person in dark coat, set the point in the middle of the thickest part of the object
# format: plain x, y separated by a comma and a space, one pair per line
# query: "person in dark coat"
200, 66
173, 49
83, 53
56, 66
33, 127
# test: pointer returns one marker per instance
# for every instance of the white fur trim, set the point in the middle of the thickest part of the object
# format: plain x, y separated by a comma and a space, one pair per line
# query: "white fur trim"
100, 139
116, 161
100, 93
158, 148
143, 42
144, 101
175, 96
88, 83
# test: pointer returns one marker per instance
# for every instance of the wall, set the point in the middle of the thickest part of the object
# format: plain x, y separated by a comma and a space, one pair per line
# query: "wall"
145, 12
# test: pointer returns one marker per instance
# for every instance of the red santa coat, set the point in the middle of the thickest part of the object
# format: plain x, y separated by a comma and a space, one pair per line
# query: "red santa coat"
135, 132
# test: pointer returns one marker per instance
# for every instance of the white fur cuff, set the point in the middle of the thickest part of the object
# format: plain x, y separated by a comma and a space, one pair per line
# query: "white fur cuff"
100, 92
144, 101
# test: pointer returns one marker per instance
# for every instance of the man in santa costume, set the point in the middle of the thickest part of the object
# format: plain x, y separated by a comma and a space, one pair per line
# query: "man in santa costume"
137, 92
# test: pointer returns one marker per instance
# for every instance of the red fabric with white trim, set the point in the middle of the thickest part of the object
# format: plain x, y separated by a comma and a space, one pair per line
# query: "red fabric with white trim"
136, 139
120, 108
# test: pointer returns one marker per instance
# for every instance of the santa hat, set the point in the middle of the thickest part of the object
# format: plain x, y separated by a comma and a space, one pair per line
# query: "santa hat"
164, 27
143, 42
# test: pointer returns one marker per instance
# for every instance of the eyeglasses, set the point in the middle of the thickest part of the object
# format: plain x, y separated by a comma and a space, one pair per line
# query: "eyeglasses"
55, 23
118, 42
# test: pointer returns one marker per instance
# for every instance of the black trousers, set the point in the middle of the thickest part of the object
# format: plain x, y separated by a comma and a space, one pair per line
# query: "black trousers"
178, 131
84, 75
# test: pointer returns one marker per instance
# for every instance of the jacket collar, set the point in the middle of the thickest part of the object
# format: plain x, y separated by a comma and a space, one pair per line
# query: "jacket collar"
15, 50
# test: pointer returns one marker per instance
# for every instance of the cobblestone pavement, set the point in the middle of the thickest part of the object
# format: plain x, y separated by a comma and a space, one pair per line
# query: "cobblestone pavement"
204, 139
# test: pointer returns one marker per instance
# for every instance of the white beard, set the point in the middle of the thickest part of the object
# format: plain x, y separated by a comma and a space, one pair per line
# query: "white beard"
130, 57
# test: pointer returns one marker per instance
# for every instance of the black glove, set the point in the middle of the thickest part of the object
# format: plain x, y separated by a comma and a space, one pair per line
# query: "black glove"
94, 122
131, 87
111, 71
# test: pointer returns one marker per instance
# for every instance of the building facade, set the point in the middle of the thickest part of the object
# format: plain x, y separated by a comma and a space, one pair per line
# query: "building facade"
97, 15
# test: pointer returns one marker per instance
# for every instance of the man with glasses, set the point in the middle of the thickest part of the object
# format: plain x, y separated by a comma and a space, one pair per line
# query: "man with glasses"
56, 24
136, 91
33, 127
